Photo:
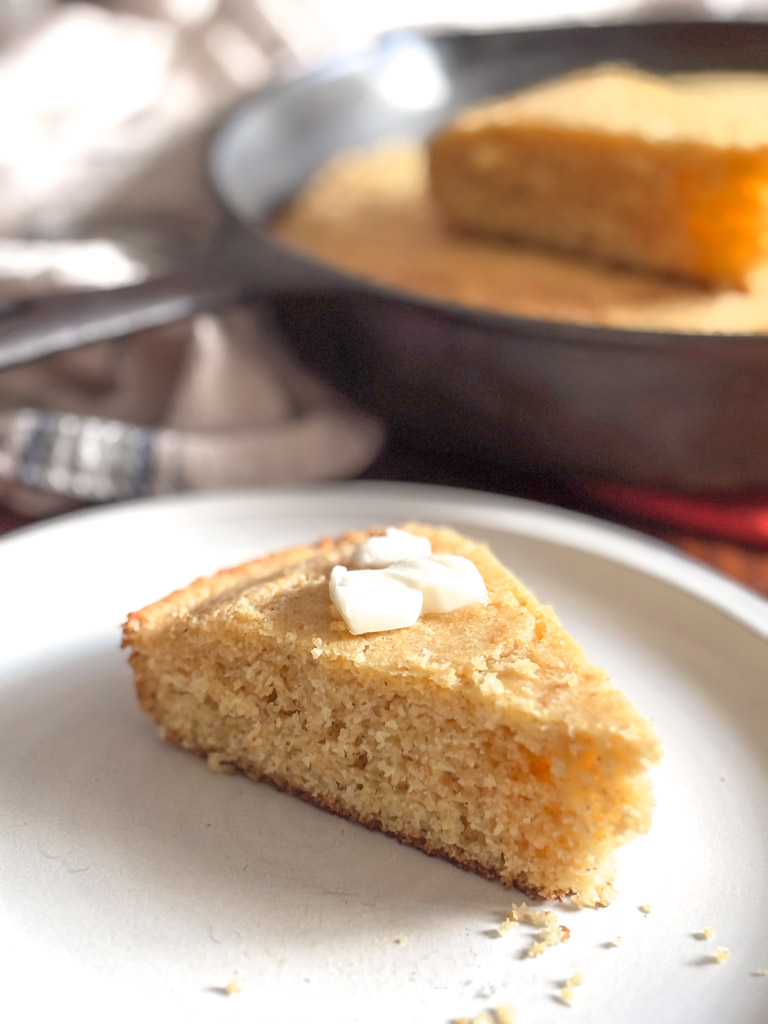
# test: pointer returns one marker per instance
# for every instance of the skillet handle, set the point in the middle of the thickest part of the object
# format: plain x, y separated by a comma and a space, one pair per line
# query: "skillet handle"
32, 329
237, 265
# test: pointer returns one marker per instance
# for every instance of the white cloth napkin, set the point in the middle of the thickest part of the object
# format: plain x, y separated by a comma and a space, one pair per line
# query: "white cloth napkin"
103, 117
217, 402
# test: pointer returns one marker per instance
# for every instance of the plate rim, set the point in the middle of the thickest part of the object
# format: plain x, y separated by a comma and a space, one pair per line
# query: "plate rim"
579, 531
200, 509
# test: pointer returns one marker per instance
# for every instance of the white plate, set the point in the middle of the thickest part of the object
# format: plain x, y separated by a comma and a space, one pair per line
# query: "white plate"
135, 883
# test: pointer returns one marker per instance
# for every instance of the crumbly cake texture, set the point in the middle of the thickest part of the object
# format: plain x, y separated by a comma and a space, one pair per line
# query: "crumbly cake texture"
617, 164
482, 735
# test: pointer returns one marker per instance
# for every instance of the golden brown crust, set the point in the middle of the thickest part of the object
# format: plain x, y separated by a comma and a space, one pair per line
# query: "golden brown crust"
375, 825
180, 601
420, 842
204, 587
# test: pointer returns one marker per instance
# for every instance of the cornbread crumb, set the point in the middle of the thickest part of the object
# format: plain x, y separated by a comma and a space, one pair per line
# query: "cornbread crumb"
761, 972
518, 913
721, 954
481, 1018
232, 987
566, 993
218, 763
580, 903
401, 940
645, 909
505, 1014
615, 942
550, 932
499, 1015
706, 933
507, 925
541, 917
521, 913
548, 937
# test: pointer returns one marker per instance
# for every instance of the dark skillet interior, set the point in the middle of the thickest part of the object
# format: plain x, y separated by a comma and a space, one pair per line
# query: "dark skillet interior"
669, 410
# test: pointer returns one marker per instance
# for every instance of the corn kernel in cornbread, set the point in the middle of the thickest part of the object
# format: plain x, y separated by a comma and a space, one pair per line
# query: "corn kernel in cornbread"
482, 735
616, 164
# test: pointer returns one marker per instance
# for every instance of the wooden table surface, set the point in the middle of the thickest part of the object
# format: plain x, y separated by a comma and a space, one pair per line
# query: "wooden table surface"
748, 565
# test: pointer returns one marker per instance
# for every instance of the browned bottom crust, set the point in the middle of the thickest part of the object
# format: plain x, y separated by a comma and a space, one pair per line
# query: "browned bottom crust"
375, 825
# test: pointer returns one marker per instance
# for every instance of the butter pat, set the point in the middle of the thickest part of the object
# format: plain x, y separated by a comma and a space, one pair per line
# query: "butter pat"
394, 546
396, 591
372, 600
446, 582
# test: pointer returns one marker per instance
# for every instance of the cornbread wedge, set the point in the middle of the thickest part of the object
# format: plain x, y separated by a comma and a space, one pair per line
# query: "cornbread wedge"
482, 735
618, 165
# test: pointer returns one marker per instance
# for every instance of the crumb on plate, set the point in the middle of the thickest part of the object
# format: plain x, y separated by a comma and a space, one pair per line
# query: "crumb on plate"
505, 1014
721, 954
506, 926
550, 931
566, 992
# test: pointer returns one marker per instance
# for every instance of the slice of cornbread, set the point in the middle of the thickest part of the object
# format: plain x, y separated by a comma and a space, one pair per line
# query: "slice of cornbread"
616, 164
482, 735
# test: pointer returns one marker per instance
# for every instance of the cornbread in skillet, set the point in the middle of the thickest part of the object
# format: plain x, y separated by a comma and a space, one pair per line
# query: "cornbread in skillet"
369, 212
619, 165
482, 735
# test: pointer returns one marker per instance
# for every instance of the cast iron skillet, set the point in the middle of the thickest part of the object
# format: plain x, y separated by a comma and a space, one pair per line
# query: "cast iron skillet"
687, 412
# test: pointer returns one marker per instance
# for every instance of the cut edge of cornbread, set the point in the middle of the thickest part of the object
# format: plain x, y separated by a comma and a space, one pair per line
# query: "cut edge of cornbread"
468, 747
617, 164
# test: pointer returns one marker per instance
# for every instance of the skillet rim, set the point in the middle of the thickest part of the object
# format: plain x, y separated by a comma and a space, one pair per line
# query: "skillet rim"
560, 332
